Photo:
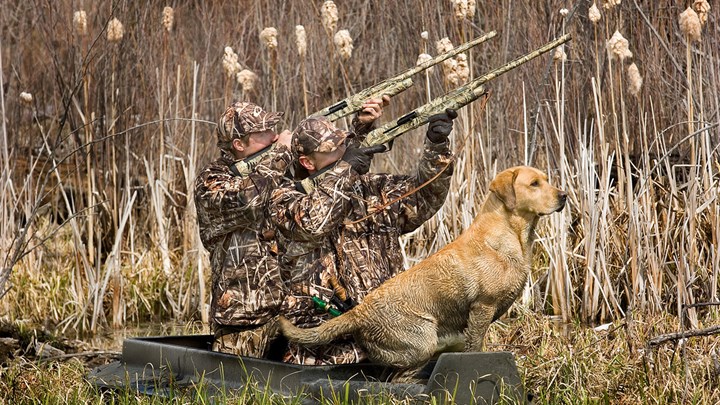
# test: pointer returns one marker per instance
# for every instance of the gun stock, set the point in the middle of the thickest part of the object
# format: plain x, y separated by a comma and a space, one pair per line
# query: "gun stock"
393, 85
455, 99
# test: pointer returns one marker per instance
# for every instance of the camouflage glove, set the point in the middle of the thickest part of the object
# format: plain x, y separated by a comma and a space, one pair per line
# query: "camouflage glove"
359, 158
440, 126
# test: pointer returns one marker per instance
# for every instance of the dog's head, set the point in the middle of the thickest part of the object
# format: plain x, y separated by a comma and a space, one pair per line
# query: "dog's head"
526, 189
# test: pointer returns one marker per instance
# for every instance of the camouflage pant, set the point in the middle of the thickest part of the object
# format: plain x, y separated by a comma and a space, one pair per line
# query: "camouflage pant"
344, 352
251, 343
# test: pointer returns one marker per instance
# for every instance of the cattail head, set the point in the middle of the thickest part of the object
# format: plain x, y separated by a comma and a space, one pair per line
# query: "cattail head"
594, 13
635, 81
690, 24
702, 8
301, 40
268, 37
443, 46
422, 58
115, 30
462, 69
424, 35
618, 47
168, 18
611, 3
460, 7
329, 14
470, 9
230, 62
26, 98
564, 12
344, 43
80, 22
560, 56
247, 80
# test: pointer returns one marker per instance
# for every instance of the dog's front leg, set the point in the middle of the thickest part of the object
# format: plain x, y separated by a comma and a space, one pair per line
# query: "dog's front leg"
478, 323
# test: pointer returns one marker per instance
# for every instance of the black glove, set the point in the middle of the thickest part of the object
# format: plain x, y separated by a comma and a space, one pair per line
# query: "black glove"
359, 158
440, 126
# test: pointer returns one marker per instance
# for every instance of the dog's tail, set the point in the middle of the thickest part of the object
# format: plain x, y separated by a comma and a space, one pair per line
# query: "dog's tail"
320, 335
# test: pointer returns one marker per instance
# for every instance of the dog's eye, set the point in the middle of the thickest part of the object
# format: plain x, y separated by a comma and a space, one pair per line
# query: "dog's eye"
535, 183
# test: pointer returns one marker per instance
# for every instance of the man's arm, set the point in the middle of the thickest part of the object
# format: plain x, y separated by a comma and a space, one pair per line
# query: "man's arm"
312, 216
225, 201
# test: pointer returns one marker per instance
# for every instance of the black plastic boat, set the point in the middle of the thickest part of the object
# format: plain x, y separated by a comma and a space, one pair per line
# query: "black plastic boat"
158, 365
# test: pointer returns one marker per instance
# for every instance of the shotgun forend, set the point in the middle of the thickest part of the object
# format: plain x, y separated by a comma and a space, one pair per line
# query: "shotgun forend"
393, 85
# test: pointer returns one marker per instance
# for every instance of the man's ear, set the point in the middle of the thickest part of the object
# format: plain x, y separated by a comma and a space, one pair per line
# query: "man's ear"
238, 145
503, 187
306, 162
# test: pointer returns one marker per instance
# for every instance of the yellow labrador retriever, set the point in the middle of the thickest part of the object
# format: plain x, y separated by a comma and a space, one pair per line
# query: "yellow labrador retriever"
460, 289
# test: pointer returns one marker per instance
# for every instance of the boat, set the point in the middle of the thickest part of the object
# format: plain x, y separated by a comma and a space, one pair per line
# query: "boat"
158, 365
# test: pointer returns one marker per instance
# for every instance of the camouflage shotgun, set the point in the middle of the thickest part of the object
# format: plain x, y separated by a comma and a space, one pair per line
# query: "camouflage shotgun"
455, 99
393, 85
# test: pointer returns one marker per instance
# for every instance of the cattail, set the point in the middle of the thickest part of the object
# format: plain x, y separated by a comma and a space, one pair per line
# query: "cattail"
635, 81
424, 35
460, 7
560, 55
422, 58
564, 12
611, 3
470, 9
690, 24
618, 47
26, 98
301, 40
344, 43
329, 13
80, 22
443, 46
702, 8
115, 30
247, 80
230, 62
168, 18
268, 37
594, 13
462, 69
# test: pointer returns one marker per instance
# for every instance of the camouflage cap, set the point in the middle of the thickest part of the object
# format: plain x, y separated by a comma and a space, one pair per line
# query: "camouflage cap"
317, 134
242, 118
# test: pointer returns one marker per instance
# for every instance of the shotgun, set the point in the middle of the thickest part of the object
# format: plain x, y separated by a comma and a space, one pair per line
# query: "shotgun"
393, 85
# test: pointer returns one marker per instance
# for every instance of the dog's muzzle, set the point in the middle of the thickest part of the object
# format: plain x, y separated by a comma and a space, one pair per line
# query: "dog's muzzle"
562, 199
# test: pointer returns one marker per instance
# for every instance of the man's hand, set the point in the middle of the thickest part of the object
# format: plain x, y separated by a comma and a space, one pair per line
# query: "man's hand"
440, 126
372, 109
284, 138
360, 158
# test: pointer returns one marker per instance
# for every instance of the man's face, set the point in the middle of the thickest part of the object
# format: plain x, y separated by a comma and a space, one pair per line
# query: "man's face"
320, 160
255, 142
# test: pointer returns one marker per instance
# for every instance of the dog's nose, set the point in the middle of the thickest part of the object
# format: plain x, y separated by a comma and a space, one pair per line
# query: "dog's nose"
562, 198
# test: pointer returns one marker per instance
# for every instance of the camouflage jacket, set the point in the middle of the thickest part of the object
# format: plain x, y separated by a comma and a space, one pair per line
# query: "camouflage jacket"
319, 241
236, 230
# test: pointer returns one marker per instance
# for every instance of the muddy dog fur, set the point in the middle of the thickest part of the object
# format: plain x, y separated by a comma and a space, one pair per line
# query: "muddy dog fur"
459, 290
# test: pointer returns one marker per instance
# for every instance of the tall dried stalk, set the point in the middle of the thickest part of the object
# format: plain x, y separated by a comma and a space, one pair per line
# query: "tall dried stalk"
6, 213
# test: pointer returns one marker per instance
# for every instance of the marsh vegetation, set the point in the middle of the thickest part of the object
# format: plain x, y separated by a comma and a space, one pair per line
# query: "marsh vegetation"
108, 111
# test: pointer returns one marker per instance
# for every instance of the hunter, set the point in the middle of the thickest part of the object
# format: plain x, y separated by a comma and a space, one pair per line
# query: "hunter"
232, 195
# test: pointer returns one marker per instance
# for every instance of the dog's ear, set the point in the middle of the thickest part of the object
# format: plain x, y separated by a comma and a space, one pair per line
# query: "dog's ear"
503, 187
